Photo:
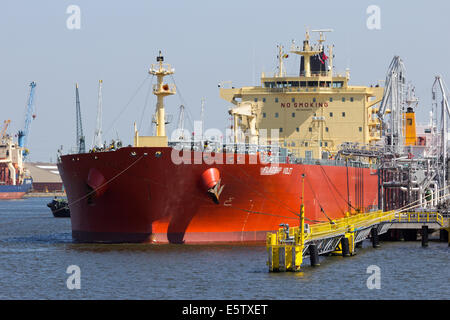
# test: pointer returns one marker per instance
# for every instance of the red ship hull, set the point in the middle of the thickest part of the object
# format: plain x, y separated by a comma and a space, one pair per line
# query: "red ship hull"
141, 195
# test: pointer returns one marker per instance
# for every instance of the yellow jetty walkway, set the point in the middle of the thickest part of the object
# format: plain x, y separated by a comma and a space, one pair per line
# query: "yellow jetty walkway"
287, 247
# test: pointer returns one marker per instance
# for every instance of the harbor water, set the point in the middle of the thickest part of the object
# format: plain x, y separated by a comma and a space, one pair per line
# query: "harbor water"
36, 249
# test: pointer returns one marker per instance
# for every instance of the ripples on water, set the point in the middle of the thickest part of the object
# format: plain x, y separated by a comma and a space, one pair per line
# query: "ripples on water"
36, 249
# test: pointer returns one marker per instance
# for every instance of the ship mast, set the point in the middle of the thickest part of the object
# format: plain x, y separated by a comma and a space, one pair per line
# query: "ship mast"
308, 51
161, 90
281, 57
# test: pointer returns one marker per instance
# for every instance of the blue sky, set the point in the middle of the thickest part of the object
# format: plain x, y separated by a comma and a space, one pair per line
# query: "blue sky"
206, 41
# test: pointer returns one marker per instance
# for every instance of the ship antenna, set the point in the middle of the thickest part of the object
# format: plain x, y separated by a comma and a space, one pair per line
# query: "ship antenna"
308, 51
321, 36
281, 57
202, 114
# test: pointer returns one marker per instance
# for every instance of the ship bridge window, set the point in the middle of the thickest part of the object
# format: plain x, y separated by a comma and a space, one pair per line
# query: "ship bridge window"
281, 84
269, 84
293, 83
338, 84
302, 83
313, 83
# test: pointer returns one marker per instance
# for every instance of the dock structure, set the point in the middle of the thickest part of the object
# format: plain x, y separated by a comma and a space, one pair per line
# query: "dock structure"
411, 220
290, 245
409, 225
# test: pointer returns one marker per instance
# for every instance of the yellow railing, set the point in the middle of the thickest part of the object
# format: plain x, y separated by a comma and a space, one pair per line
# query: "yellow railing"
285, 247
420, 217
319, 230
357, 221
289, 242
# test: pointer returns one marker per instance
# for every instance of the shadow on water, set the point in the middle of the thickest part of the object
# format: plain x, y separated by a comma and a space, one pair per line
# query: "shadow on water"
163, 248
54, 238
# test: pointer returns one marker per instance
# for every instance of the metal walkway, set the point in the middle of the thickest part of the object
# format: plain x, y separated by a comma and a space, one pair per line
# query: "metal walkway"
288, 247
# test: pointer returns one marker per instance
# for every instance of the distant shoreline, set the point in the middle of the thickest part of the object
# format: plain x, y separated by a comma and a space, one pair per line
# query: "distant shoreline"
44, 194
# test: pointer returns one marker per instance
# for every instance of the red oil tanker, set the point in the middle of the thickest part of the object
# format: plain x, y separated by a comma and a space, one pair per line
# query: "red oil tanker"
206, 191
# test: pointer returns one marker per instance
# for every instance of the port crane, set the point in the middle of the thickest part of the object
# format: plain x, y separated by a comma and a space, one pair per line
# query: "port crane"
3, 131
30, 115
81, 148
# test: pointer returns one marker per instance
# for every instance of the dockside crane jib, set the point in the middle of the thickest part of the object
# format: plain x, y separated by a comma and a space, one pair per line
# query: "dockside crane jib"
80, 137
30, 114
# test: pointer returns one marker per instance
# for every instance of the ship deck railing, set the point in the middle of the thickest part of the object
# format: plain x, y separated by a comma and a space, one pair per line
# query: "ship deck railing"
307, 89
273, 153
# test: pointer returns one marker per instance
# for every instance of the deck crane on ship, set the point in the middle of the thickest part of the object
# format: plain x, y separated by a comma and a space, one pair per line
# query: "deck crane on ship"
98, 142
81, 146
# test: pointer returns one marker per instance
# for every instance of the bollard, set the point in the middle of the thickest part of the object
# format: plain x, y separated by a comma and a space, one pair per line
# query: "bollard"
314, 255
345, 247
424, 236
374, 236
